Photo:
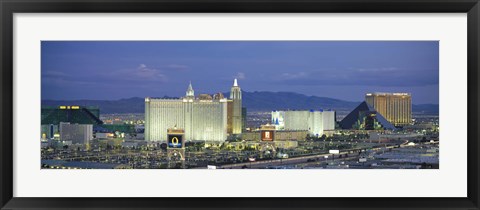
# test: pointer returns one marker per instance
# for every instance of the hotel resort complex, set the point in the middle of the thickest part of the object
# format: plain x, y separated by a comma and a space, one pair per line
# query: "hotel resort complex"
200, 130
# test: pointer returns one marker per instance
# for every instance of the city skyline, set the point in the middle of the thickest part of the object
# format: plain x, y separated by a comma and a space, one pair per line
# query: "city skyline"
342, 70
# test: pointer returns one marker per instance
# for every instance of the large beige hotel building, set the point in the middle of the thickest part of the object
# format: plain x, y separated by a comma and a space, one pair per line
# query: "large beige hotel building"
202, 117
395, 107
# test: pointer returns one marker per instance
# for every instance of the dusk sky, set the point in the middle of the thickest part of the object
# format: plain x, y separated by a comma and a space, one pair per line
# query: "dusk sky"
338, 69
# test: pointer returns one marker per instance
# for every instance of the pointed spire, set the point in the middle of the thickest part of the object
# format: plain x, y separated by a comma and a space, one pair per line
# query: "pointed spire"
190, 91
235, 92
190, 86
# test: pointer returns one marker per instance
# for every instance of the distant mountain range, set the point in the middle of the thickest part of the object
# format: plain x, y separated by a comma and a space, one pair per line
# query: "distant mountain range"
254, 101
263, 100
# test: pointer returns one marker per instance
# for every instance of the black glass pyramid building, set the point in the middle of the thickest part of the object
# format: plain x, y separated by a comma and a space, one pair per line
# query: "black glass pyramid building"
71, 114
365, 117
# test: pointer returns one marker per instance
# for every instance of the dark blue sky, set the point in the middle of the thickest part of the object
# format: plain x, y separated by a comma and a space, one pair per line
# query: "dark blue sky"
341, 69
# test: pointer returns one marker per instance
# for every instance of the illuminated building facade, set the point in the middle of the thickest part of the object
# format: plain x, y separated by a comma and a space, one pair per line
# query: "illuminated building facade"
278, 119
229, 116
236, 108
202, 118
395, 107
48, 131
76, 133
315, 122
329, 120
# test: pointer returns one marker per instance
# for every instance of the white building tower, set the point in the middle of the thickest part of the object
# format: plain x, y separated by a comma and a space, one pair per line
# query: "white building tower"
190, 94
188, 111
200, 119
236, 97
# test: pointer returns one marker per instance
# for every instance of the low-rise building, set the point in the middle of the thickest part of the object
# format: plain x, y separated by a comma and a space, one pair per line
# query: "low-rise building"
316, 122
76, 133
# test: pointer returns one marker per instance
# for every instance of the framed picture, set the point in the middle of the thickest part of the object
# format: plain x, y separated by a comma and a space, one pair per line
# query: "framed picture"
239, 105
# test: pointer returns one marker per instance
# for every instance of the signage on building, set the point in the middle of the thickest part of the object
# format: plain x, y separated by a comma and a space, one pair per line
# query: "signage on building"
267, 135
175, 141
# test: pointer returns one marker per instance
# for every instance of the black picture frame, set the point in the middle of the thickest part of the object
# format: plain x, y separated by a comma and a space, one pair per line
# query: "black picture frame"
10, 7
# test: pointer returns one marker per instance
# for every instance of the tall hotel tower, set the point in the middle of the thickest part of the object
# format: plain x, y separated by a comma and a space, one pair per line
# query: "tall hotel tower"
202, 118
395, 107
235, 114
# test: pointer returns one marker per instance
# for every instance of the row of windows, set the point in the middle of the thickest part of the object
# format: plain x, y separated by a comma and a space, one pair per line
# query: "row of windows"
397, 110
201, 121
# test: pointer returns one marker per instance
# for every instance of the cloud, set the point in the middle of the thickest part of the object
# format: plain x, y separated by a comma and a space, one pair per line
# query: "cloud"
388, 69
178, 67
53, 74
139, 76
240, 75
64, 82
141, 73
288, 76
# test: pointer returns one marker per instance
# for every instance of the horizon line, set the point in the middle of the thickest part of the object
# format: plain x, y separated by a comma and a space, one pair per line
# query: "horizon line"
124, 98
